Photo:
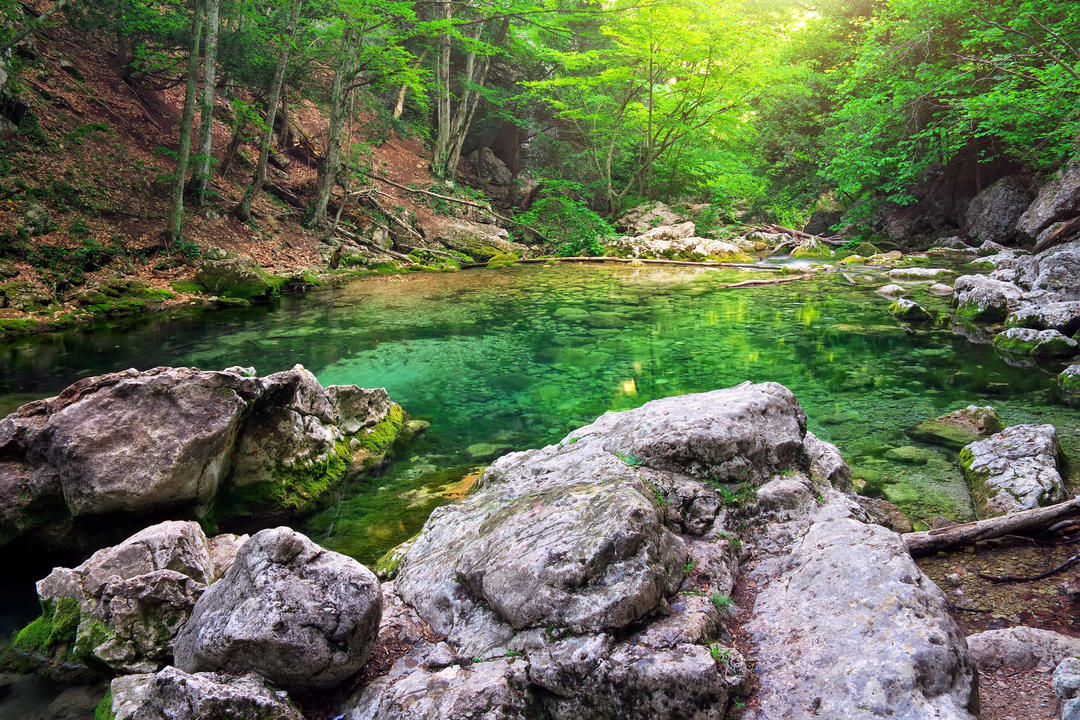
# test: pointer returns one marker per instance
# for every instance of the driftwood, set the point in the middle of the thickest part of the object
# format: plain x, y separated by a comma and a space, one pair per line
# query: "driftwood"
653, 261
781, 230
1029, 578
1026, 522
1059, 236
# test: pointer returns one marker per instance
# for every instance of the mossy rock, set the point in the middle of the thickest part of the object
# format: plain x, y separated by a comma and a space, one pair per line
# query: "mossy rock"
1068, 385
292, 489
387, 566
866, 249
972, 312
852, 259
941, 433
50, 644
502, 260
18, 325
909, 311
104, 711
1036, 343
235, 279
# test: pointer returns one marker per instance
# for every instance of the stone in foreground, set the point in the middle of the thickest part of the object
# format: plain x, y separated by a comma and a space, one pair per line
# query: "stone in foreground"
1015, 469
298, 615
172, 693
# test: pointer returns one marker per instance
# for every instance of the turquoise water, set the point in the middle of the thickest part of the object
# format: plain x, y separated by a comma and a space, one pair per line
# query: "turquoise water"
516, 358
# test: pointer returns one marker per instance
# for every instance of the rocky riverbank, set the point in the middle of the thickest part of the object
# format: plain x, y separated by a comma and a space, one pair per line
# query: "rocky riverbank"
592, 578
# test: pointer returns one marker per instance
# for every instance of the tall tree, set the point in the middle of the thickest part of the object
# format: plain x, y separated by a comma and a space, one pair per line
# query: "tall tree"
330, 163
243, 210
201, 171
187, 120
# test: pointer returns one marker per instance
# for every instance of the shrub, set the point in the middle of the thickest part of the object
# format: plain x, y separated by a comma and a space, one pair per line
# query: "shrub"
570, 226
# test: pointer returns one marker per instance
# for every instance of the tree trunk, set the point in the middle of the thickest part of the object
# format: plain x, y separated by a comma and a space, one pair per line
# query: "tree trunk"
187, 119
1020, 523
201, 172
399, 108
331, 160
442, 74
243, 210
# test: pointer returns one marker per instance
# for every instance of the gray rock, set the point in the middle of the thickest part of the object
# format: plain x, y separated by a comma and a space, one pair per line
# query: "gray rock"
1066, 684
941, 289
989, 247
137, 442
172, 693
993, 213
300, 616
643, 218
490, 167
1037, 343
1056, 280
827, 463
134, 597
1057, 199
980, 298
223, 549
891, 290
36, 220
1021, 649
1015, 469
494, 690
1061, 316
852, 608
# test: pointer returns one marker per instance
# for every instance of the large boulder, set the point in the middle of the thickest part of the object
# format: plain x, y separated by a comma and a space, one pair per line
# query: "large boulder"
1056, 275
181, 438
854, 611
122, 607
302, 617
992, 214
679, 242
481, 242
172, 693
985, 300
608, 561
490, 168
236, 278
1015, 469
1058, 199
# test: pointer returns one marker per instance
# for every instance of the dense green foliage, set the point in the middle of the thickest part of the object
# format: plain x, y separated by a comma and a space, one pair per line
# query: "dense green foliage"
766, 107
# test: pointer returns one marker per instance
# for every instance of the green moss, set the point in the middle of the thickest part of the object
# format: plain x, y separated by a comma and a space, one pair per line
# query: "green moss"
91, 635
103, 711
292, 488
941, 433
1015, 345
18, 325
909, 312
852, 259
730, 257
866, 249
236, 280
387, 566
971, 311
380, 436
54, 628
499, 260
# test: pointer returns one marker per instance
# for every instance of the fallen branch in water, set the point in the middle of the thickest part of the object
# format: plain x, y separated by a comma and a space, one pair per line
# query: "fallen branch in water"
775, 229
1025, 522
1030, 578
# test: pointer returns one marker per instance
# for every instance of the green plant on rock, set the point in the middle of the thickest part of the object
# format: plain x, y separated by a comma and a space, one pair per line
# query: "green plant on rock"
723, 603
104, 711
56, 627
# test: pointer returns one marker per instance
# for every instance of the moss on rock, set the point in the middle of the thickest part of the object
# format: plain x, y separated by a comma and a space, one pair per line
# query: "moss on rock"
53, 630
234, 279
502, 260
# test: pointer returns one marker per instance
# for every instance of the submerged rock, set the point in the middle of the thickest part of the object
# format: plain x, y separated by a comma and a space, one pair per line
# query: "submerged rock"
917, 273
941, 290
180, 438
172, 693
300, 616
959, 427
1037, 343
1015, 469
891, 290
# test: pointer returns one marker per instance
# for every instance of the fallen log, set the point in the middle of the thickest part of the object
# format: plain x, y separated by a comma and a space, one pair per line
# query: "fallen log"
373, 247
1025, 522
1063, 233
